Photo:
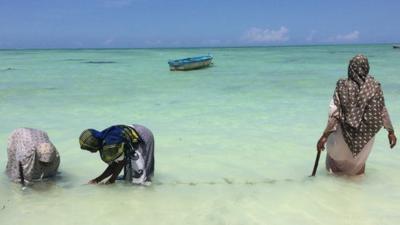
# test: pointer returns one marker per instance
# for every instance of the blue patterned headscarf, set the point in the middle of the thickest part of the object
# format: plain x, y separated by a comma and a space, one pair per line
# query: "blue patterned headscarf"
111, 142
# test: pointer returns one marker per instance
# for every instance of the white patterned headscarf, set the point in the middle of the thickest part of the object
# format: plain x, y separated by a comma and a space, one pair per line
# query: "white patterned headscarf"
46, 152
360, 100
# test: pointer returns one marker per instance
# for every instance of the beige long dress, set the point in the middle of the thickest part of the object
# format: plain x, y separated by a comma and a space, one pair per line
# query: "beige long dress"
339, 152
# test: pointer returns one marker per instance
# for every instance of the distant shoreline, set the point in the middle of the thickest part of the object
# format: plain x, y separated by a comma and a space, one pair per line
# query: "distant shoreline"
203, 47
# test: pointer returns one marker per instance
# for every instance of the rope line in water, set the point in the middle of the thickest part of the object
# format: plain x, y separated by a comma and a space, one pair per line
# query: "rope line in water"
225, 181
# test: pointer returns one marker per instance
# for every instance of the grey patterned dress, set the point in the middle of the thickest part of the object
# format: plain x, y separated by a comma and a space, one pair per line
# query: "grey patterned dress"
33, 148
143, 163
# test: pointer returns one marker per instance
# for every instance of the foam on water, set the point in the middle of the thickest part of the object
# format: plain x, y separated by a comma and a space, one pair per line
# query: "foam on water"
235, 143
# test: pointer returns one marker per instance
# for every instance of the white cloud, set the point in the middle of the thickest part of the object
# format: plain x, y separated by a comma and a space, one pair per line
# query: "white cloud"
108, 41
311, 36
352, 36
266, 35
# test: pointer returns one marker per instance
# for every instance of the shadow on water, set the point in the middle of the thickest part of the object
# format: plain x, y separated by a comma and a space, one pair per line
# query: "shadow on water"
61, 180
8, 69
74, 60
50, 88
43, 186
235, 88
4, 204
100, 62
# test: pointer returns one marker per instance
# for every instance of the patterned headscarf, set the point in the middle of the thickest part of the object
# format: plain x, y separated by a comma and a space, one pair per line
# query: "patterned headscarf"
110, 142
358, 69
46, 152
89, 140
360, 100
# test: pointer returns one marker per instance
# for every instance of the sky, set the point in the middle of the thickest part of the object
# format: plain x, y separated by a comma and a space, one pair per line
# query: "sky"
190, 23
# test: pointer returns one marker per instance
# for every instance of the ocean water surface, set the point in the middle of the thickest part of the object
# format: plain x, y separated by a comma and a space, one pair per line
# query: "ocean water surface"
235, 142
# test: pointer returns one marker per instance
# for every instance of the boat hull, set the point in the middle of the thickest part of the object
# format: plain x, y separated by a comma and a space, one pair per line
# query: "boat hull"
190, 63
191, 66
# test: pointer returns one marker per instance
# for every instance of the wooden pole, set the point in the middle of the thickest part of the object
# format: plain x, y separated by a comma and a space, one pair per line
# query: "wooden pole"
316, 164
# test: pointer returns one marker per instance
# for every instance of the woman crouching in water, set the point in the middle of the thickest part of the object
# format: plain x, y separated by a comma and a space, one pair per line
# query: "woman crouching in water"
122, 147
31, 156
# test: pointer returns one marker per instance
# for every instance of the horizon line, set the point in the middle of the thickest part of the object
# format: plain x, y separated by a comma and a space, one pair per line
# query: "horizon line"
202, 47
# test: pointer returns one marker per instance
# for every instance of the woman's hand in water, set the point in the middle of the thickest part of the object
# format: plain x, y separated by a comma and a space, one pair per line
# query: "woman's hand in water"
321, 143
392, 139
110, 182
94, 181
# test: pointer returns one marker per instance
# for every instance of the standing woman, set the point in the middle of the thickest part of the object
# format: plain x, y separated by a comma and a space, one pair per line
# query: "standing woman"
122, 147
31, 156
357, 112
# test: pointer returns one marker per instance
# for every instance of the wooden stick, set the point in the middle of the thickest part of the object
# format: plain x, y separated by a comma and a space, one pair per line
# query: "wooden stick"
316, 164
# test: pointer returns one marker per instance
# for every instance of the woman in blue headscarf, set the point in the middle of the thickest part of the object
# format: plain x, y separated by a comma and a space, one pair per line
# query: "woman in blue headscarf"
122, 147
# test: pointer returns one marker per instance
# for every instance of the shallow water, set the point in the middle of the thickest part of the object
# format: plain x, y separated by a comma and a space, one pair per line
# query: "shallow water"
235, 143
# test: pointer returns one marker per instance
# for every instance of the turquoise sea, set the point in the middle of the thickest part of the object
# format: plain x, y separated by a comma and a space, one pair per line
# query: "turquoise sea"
235, 142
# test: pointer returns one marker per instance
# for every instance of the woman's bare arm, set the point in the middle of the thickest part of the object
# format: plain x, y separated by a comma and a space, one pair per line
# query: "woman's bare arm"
116, 171
109, 170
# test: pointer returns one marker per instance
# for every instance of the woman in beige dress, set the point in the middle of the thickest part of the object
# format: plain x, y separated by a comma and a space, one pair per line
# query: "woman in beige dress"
356, 113
31, 156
